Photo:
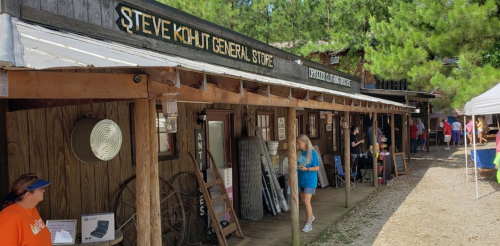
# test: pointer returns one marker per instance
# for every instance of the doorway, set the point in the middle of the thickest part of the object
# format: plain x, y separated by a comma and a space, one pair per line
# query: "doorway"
222, 145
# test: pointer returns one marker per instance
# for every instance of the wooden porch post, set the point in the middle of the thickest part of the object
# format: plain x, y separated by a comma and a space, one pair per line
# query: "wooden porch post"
404, 134
393, 133
142, 171
155, 189
408, 117
427, 121
347, 159
292, 174
374, 143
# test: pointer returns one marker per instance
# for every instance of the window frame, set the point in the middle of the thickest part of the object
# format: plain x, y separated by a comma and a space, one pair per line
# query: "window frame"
173, 156
163, 156
299, 123
270, 127
316, 126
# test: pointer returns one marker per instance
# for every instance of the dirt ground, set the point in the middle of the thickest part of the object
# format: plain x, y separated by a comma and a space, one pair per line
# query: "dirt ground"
433, 205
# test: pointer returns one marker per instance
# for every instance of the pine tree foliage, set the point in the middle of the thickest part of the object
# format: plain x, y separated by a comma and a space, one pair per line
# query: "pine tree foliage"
452, 46
422, 38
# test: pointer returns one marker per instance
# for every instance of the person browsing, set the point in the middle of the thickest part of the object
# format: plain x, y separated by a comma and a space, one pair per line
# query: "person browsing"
20, 222
446, 133
355, 150
456, 129
308, 167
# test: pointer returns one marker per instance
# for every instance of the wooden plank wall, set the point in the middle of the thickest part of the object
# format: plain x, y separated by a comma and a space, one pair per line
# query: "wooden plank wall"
4, 172
39, 142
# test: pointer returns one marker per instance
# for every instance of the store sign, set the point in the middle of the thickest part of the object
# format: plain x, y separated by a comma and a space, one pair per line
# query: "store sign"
199, 139
328, 77
140, 22
281, 128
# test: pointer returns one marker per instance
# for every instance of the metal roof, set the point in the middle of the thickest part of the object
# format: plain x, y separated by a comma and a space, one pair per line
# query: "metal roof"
37, 47
398, 93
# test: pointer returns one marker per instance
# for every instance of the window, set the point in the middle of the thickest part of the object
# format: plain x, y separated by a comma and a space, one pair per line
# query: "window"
265, 122
166, 143
166, 147
313, 125
298, 125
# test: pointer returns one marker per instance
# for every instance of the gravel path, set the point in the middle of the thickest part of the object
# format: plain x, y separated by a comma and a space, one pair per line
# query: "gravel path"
432, 205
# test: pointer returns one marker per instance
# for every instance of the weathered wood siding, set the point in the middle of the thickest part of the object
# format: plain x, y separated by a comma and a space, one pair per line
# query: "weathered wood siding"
39, 142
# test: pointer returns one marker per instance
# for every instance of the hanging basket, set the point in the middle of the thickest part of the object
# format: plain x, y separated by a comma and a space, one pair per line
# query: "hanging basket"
94, 140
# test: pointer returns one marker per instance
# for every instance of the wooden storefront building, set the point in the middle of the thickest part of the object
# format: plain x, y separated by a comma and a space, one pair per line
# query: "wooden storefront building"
65, 60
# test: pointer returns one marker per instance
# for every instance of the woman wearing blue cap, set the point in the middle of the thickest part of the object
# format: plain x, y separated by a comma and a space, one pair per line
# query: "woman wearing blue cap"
20, 223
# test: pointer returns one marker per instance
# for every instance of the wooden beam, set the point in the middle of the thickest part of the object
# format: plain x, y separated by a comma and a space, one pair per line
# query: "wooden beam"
142, 170
154, 192
27, 104
418, 99
374, 142
292, 170
393, 135
67, 85
177, 80
218, 95
404, 128
161, 74
241, 88
347, 159
289, 93
204, 83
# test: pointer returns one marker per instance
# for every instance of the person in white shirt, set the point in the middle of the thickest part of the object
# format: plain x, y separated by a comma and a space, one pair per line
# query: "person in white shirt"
456, 130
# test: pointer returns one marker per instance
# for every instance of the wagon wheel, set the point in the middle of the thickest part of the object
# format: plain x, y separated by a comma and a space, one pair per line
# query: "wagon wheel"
212, 237
194, 207
172, 213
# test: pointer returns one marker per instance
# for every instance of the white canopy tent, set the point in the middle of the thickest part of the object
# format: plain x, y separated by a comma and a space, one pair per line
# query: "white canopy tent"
486, 103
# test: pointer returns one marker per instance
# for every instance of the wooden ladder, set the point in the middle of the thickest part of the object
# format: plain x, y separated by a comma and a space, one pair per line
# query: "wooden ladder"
234, 225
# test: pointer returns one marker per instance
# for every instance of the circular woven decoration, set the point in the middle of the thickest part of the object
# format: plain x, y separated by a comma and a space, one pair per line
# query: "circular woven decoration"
106, 140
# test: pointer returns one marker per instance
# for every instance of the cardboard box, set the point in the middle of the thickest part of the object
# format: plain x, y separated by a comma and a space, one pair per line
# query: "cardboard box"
98, 227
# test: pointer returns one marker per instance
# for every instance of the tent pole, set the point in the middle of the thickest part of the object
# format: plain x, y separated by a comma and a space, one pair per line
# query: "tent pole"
465, 143
475, 153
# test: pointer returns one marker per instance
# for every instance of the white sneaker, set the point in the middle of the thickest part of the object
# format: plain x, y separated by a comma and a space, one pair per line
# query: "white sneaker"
307, 227
313, 219
447, 148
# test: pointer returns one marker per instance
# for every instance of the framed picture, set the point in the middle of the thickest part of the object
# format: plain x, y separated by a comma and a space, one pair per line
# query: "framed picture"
62, 231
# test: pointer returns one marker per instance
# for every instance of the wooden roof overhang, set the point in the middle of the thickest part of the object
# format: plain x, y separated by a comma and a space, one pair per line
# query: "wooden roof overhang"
417, 96
203, 87
189, 86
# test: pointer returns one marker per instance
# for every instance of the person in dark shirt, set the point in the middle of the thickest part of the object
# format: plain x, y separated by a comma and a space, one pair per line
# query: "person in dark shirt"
355, 151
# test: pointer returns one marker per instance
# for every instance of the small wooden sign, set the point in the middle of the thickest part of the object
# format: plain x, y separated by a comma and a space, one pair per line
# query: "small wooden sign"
399, 163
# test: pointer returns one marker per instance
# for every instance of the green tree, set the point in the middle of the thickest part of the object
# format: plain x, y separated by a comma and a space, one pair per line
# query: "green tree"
423, 38
256, 21
225, 13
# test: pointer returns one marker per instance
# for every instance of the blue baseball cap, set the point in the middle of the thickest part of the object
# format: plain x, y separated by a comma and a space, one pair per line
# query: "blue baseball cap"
40, 183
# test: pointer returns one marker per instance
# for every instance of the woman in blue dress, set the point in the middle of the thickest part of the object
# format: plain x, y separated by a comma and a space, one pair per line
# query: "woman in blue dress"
308, 166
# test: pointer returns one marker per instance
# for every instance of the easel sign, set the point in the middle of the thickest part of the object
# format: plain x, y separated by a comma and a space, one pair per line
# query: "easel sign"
62, 231
399, 163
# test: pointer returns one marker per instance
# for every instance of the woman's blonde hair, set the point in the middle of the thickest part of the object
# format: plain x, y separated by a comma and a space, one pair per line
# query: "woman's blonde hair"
303, 138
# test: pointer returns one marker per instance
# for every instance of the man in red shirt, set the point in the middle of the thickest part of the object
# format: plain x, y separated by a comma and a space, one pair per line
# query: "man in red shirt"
447, 133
